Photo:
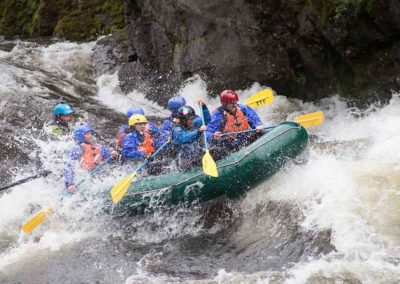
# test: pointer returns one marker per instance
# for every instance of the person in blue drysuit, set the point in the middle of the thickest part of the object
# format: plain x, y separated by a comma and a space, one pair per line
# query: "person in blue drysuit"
186, 136
141, 142
232, 117
124, 129
174, 104
86, 153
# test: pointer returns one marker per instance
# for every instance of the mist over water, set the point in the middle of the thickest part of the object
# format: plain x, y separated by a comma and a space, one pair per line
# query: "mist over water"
332, 219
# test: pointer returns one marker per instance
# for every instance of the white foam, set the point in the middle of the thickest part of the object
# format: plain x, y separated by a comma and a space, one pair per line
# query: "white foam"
110, 94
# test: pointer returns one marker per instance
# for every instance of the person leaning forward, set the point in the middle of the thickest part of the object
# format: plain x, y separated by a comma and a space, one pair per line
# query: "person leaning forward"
86, 152
186, 136
174, 104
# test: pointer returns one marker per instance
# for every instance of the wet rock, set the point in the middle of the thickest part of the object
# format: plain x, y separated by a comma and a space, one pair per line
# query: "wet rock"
298, 49
306, 49
75, 20
111, 52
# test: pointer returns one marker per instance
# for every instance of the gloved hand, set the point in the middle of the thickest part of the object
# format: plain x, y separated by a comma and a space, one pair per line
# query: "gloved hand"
217, 135
203, 128
260, 128
114, 154
71, 188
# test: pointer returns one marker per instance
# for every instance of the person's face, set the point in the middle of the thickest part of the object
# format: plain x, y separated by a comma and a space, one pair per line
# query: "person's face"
140, 127
88, 136
230, 107
66, 118
189, 122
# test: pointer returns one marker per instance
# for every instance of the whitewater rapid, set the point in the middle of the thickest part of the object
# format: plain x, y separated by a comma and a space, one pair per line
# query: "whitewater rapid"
335, 218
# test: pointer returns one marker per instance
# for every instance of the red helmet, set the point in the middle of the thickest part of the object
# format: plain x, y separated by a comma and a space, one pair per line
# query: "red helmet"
228, 97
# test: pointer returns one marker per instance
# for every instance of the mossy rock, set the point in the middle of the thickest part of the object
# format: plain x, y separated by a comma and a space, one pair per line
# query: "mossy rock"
16, 16
75, 20
76, 26
341, 8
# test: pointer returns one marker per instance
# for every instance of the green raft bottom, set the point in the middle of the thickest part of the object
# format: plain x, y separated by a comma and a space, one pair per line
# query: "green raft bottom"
238, 173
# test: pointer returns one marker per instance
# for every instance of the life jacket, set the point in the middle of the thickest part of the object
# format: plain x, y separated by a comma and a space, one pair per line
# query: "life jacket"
58, 128
120, 138
147, 146
234, 122
90, 153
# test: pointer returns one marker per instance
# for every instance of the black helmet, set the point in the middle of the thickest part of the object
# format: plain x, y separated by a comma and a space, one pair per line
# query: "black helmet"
186, 112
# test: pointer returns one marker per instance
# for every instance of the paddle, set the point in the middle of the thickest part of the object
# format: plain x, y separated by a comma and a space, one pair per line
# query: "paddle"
36, 220
42, 174
120, 189
310, 119
209, 166
261, 98
306, 120
42, 215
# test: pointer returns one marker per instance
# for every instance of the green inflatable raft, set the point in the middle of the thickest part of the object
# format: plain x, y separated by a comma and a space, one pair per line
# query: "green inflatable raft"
238, 173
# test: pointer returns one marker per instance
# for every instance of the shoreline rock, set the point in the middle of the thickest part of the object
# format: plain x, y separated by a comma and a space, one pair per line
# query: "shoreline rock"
309, 50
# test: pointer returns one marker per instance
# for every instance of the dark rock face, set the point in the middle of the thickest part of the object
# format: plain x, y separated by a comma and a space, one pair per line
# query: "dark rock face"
112, 51
307, 49
298, 49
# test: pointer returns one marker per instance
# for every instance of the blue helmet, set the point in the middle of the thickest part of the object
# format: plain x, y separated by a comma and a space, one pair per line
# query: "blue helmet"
134, 110
62, 109
79, 132
176, 103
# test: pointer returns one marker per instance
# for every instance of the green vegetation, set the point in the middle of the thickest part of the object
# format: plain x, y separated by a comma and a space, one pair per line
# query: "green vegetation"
348, 7
75, 20
16, 15
341, 8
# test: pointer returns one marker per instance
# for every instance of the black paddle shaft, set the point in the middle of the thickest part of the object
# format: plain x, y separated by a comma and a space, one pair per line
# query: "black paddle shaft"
42, 174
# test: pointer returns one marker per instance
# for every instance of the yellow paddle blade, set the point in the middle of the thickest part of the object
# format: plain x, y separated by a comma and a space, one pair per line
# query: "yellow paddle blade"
36, 220
120, 189
261, 98
209, 166
310, 119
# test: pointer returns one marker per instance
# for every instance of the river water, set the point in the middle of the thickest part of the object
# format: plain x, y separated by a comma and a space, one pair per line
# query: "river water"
334, 219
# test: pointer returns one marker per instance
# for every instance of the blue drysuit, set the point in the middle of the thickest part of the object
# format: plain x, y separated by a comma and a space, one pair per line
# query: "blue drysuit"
186, 141
133, 140
169, 124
